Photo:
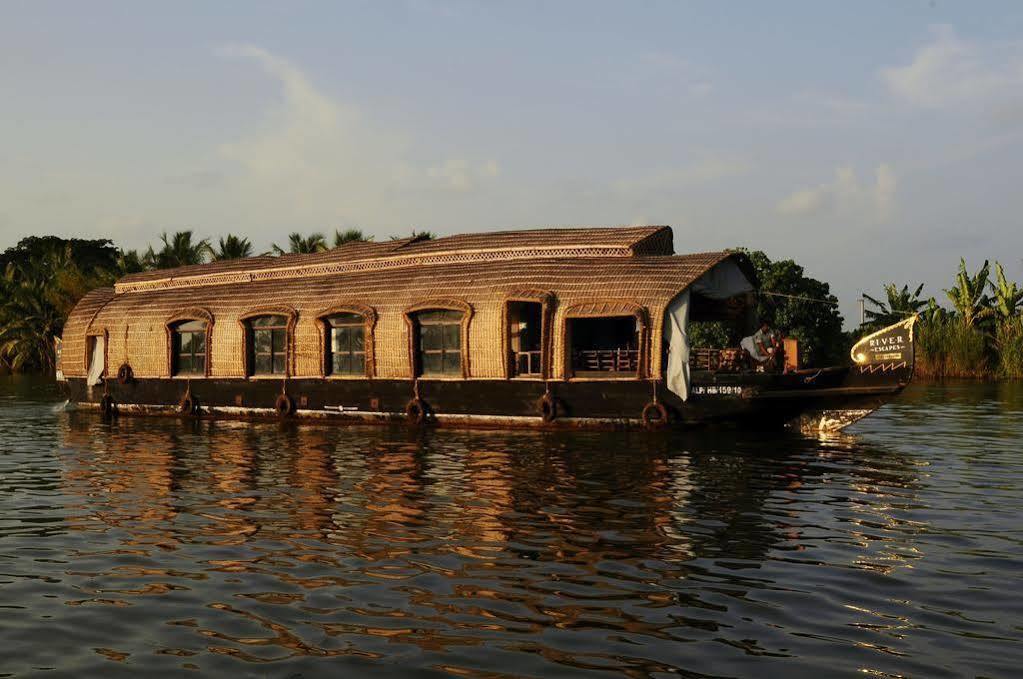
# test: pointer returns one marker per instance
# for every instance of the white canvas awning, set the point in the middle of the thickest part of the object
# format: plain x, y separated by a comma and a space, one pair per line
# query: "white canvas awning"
721, 282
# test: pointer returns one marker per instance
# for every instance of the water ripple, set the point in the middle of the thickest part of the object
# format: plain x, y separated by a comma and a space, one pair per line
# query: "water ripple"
167, 546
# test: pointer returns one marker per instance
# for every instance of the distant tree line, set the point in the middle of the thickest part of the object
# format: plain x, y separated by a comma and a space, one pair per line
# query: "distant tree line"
43, 277
979, 335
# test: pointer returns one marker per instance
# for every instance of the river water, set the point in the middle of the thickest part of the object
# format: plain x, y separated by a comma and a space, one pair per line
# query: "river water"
167, 546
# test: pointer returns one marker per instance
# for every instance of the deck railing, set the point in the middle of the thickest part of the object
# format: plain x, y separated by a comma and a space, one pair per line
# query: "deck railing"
715, 360
606, 360
527, 362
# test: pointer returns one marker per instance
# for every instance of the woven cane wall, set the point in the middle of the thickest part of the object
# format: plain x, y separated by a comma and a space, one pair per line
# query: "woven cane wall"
74, 361
137, 321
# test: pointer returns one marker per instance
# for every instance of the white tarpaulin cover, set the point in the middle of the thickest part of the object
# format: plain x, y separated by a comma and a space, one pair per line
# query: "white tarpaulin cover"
96, 361
723, 281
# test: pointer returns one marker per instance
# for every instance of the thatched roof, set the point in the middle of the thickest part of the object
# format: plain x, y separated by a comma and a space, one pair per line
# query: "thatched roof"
414, 252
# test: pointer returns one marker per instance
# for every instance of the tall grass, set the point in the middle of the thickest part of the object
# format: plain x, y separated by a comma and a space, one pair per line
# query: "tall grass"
1009, 343
949, 347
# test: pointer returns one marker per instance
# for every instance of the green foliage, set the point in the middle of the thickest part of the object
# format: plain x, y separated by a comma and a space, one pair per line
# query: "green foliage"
232, 247
968, 296
899, 303
1009, 341
130, 261
810, 315
178, 250
88, 254
298, 244
417, 235
709, 335
41, 281
951, 348
42, 278
1007, 296
350, 236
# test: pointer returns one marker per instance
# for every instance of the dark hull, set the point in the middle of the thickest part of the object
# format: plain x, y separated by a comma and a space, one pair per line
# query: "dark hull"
838, 395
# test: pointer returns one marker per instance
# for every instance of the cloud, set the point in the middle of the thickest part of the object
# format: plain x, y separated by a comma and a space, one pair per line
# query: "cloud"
949, 72
672, 179
845, 196
808, 109
665, 73
454, 174
314, 158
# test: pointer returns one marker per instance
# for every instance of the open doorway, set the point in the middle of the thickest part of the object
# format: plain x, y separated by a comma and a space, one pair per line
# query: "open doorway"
97, 359
525, 339
603, 347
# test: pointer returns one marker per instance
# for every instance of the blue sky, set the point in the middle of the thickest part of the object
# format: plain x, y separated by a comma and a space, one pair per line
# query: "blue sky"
869, 141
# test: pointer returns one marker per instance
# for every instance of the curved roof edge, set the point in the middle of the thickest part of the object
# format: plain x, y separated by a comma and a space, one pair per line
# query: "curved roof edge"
465, 248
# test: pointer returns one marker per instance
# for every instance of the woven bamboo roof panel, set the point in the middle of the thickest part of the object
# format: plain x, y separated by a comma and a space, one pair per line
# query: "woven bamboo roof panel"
478, 249
76, 329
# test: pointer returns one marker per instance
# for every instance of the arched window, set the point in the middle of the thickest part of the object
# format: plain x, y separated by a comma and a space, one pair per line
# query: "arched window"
346, 344
188, 347
439, 342
438, 338
267, 342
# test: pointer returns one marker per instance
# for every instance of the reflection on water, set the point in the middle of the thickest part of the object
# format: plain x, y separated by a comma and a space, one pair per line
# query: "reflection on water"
165, 545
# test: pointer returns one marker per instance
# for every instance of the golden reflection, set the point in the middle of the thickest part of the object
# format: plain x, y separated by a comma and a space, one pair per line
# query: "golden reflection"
486, 473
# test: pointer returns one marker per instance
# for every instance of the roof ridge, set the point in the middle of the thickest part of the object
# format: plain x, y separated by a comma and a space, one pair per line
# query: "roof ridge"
472, 247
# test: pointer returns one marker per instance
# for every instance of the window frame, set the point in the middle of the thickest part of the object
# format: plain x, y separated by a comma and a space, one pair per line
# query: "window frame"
248, 335
412, 327
185, 316
369, 319
546, 301
176, 337
607, 309
89, 339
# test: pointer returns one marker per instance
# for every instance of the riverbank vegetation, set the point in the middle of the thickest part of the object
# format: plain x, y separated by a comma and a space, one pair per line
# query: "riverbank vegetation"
979, 334
43, 277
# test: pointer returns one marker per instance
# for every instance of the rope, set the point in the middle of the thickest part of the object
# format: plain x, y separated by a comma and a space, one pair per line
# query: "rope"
807, 299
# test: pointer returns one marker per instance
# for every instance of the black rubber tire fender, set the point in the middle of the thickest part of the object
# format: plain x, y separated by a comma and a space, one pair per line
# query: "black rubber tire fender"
107, 405
125, 374
547, 406
188, 405
655, 415
284, 406
415, 411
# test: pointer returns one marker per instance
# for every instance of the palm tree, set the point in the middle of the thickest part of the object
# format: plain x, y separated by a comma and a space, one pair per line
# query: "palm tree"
130, 261
314, 242
1007, 296
968, 296
232, 247
179, 250
418, 235
350, 236
36, 295
899, 304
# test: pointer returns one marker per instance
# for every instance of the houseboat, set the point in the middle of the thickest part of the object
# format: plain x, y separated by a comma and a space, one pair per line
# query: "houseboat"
583, 327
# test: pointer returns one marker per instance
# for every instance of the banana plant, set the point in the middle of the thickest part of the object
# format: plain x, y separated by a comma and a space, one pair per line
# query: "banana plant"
968, 297
1007, 296
934, 313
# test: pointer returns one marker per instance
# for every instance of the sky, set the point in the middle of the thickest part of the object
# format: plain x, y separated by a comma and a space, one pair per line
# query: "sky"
869, 141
